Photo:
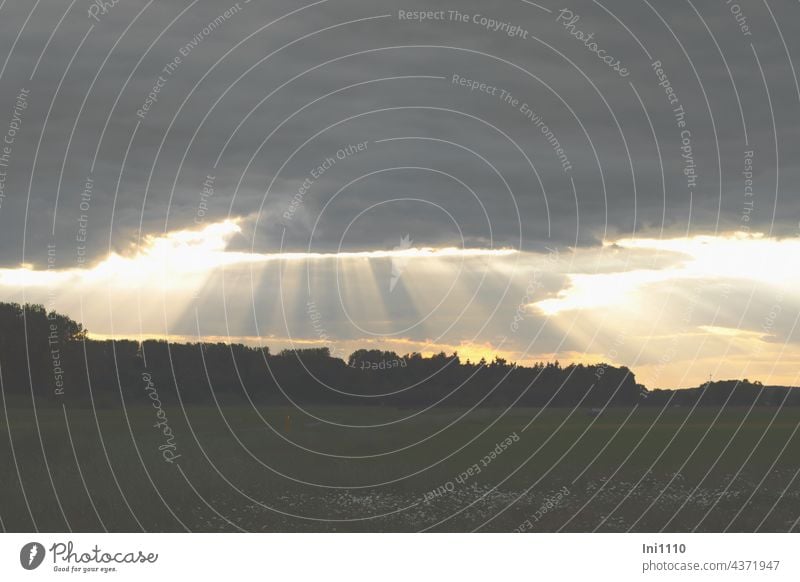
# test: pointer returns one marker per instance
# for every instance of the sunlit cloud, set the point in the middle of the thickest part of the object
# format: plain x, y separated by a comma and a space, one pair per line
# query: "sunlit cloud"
587, 292
737, 256
174, 255
731, 332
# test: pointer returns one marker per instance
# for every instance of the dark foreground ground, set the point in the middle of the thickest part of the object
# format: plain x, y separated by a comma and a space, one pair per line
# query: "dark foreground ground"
639, 469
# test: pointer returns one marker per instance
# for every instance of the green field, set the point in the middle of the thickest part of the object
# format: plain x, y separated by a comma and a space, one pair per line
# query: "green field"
571, 469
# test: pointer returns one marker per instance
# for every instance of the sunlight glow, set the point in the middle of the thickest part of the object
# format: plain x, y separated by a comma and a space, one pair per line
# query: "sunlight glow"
738, 256
173, 256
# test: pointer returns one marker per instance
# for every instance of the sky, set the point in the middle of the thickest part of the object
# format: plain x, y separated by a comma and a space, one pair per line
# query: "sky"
590, 182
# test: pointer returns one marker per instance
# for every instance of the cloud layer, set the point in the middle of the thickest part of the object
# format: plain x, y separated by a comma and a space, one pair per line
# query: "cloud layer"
341, 127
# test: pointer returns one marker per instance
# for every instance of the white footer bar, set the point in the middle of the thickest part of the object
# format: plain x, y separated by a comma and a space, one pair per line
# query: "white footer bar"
401, 557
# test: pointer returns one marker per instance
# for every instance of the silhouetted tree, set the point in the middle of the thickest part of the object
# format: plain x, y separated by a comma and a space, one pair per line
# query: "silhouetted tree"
49, 354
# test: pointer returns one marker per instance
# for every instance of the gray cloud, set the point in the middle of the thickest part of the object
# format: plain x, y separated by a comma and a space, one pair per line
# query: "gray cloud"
593, 113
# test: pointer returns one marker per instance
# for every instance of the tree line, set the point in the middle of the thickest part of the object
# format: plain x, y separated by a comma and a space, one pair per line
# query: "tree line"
50, 356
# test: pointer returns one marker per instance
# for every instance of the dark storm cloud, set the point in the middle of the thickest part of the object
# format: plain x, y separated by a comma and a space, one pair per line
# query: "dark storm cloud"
593, 112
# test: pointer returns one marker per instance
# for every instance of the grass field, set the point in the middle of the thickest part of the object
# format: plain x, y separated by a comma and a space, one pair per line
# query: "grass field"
641, 469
